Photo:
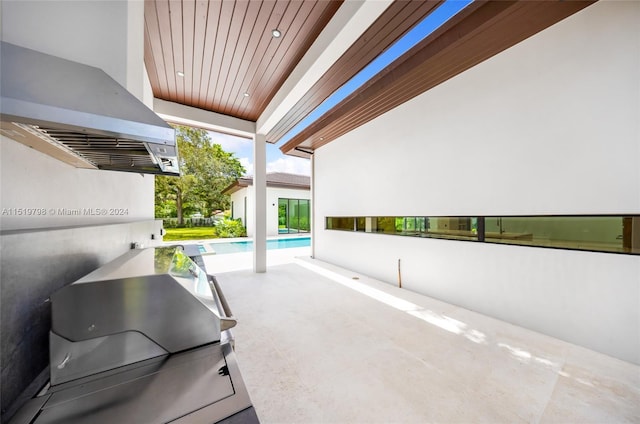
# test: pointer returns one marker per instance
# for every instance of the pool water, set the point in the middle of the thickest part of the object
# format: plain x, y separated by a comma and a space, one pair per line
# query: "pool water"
247, 246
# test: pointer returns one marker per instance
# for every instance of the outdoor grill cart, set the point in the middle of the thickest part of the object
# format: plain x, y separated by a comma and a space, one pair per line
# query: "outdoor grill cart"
144, 339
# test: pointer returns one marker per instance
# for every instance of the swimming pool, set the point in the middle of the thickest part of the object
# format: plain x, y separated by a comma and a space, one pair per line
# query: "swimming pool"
247, 246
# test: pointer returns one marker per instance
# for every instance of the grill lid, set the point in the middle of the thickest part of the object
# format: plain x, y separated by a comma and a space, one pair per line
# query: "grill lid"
141, 305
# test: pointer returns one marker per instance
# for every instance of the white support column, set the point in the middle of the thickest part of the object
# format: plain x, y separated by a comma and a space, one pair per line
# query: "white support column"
314, 227
260, 203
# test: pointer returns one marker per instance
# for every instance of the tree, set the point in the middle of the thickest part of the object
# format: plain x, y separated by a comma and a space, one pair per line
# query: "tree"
205, 168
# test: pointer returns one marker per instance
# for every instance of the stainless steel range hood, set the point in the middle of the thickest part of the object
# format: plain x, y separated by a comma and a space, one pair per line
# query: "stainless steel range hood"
80, 115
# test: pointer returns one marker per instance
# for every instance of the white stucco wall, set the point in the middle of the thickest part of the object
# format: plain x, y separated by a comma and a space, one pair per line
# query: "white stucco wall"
91, 32
61, 195
273, 194
239, 210
550, 126
105, 34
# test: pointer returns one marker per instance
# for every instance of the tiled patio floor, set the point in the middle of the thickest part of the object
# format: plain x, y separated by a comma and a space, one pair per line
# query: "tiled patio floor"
315, 345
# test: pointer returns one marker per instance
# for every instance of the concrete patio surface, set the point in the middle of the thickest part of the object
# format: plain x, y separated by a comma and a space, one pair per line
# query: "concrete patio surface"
320, 344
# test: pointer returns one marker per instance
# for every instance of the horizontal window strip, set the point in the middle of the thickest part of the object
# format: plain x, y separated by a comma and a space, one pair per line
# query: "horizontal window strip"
595, 233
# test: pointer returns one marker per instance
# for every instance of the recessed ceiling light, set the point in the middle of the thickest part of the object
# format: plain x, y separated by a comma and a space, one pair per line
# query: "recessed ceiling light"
276, 33
245, 94
180, 73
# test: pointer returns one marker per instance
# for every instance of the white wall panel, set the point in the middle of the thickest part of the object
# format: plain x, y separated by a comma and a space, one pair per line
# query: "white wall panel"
90, 32
549, 126
33, 180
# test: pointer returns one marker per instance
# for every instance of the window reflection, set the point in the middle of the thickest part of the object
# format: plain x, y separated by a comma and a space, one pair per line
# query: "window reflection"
340, 223
620, 234
599, 233
293, 216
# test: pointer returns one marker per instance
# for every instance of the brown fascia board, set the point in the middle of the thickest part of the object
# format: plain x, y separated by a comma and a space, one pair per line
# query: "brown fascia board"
285, 185
237, 185
479, 32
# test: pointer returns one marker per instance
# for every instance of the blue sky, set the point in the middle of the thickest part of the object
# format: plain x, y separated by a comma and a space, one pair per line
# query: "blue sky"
276, 161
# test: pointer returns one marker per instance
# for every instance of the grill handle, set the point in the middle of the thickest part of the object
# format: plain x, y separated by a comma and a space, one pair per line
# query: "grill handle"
228, 321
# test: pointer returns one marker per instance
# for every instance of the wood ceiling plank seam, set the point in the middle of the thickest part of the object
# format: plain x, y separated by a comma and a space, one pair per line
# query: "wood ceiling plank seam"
288, 17
274, 74
152, 25
312, 27
149, 61
231, 47
482, 49
231, 92
400, 17
258, 32
188, 31
199, 35
164, 21
150, 64
282, 21
317, 19
226, 13
239, 45
175, 21
210, 38
273, 21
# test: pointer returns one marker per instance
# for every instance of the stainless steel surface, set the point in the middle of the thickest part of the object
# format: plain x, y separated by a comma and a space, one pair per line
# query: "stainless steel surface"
225, 407
29, 411
35, 263
227, 320
166, 297
70, 361
184, 383
79, 114
139, 341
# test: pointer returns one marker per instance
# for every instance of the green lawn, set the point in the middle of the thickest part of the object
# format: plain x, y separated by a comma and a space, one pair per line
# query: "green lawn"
194, 233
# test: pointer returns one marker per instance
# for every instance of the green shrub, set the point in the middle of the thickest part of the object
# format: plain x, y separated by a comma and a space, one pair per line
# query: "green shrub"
226, 228
170, 223
303, 223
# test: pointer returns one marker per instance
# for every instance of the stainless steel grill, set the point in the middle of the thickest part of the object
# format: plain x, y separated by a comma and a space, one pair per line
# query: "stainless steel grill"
143, 339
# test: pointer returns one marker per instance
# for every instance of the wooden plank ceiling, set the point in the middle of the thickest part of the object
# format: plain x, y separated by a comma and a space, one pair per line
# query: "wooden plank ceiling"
221, 55
225, 49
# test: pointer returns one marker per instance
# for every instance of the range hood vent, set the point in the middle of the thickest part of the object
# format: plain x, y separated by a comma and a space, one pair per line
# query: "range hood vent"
80, 115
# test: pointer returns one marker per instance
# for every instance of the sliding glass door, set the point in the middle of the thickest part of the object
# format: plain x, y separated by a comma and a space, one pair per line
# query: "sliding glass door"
293, 216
